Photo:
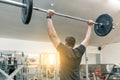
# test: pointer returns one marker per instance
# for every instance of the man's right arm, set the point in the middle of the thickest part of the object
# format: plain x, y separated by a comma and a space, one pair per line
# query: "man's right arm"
51, 30
85, 42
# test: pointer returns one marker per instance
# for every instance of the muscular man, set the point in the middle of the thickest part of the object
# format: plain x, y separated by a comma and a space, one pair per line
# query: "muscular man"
70, 57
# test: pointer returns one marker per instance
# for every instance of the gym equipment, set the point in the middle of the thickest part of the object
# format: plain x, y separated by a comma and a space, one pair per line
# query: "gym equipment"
114, 72
27, 11
102, 27
106, 26
27, 6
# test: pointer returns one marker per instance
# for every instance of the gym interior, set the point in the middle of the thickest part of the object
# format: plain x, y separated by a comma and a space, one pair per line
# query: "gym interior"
26, 52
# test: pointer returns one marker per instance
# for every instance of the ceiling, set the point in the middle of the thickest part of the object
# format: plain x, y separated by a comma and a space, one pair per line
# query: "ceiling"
11, 25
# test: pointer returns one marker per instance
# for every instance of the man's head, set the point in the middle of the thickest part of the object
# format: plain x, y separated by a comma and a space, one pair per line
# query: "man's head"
70, 41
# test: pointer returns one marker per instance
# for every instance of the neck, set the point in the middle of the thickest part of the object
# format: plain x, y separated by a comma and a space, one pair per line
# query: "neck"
70, 47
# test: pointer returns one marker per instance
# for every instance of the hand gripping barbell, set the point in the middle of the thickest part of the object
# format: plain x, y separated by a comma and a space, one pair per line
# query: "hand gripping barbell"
102, 27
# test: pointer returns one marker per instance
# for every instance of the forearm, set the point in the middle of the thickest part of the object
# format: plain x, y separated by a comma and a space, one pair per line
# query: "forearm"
51, 29
87, 37
52, 33
88, 34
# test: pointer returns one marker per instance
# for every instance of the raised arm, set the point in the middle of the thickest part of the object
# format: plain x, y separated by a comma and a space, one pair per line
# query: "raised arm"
85, 42
51, 30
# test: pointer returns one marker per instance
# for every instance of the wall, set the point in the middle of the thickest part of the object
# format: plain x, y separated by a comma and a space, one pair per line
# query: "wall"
24, 45
111, 53
39, 47
91, 52
91, 58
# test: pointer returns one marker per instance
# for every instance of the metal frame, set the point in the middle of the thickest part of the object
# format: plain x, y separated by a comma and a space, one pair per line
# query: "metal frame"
10, 77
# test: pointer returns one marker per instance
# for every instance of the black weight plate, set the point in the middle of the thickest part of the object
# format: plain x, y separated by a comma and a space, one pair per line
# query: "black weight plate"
103, 30
27, 11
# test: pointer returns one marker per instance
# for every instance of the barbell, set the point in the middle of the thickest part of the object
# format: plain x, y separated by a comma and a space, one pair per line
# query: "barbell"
102, 26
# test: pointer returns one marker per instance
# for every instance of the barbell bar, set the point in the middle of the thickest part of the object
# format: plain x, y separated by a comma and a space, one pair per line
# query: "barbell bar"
63, 15
102, 27
18, 4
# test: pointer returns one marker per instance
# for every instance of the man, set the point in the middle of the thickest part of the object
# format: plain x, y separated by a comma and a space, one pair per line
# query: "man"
70, 57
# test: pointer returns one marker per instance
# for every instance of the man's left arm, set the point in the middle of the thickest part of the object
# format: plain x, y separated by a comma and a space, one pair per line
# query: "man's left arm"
85, 42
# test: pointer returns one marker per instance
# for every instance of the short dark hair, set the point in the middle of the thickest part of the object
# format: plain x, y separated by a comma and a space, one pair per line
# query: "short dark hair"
70, 41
